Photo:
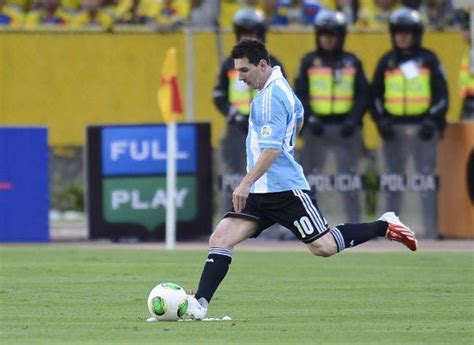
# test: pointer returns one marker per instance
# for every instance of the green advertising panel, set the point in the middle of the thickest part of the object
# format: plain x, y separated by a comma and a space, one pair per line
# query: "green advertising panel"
142, 200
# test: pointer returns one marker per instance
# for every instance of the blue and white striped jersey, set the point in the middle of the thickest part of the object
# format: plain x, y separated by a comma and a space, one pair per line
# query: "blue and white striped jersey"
273, 124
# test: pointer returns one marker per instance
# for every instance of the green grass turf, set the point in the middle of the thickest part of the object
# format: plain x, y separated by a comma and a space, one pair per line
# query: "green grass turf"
57, 294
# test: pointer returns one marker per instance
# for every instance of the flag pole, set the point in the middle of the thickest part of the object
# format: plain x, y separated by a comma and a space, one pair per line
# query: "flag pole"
169, 101
171, 185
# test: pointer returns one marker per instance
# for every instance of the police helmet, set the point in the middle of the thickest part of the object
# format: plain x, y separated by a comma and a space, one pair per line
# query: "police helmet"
406, 19
249, 21
328, 21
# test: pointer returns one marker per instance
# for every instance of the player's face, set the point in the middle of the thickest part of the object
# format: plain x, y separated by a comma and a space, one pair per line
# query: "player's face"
403, 39
249, 73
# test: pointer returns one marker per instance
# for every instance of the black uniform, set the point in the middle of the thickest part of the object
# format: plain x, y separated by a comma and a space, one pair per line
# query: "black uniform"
406, 136
434, 118
361, 85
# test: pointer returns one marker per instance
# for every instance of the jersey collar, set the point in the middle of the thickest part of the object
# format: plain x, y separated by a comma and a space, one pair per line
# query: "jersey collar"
276, 74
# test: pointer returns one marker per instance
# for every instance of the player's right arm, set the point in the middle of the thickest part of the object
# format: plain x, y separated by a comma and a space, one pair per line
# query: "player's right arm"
270, 139
264, 162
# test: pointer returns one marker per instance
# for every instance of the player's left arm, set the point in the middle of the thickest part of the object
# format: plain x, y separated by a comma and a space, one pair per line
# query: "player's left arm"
300, 126
299, 109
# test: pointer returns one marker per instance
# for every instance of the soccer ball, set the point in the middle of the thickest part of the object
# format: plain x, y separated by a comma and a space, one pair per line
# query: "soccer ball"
167, 301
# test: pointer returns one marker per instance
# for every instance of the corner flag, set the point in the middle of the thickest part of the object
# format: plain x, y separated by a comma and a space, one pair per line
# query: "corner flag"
171, 108
168, 97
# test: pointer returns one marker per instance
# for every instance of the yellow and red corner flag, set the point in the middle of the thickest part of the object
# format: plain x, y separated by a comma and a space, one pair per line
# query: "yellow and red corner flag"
169, 99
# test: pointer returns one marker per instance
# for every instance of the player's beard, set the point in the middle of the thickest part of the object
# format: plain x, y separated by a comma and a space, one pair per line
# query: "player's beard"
253, 84
254, 80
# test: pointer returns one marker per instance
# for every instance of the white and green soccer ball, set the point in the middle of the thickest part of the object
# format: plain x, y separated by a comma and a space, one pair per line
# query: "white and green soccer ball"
167, 302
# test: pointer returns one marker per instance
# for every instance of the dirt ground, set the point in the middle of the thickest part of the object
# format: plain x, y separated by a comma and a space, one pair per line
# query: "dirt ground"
78, 235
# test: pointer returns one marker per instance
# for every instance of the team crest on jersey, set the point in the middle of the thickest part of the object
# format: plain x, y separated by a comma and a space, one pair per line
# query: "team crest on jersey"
266, 131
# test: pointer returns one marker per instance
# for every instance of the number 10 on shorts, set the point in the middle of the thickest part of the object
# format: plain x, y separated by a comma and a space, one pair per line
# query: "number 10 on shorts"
304, 226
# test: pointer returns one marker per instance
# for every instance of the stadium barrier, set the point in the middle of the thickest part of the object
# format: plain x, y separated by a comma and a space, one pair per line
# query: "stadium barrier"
24, 184
456, 172
70, 80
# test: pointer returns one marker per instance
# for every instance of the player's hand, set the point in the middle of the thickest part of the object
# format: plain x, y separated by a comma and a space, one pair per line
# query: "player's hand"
386, 129
315, 125
427, 130
347, 129
239, 197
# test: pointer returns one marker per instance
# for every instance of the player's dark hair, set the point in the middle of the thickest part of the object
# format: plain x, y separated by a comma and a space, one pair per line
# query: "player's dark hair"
254, 50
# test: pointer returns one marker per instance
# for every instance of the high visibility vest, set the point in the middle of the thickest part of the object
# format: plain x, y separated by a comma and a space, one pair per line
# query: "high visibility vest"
331, 92
404, 96
466, 77
240, 95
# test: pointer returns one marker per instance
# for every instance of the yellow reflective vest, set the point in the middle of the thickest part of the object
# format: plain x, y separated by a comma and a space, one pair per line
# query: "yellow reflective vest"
407, 97
240, 95
466, 77
331, 92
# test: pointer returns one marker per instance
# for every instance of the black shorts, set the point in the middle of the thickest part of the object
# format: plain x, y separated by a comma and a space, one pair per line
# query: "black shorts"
296, 210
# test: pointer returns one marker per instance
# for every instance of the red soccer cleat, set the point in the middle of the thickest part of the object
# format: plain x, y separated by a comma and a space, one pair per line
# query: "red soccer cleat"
397, 231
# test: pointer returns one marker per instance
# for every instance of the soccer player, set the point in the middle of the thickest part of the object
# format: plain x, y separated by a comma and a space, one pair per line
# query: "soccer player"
275, 190
232, 98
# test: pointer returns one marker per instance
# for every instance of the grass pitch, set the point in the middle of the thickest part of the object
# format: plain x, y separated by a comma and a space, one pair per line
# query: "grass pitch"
63, 294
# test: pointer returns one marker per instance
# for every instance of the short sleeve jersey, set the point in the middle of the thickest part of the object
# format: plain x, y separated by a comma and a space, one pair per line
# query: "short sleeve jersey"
274, 114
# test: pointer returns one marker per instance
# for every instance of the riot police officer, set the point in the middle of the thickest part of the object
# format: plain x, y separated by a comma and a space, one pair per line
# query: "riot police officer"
409, 107
334, 91
232, 98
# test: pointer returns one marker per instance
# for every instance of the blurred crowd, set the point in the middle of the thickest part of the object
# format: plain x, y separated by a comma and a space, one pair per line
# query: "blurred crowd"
166, 15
